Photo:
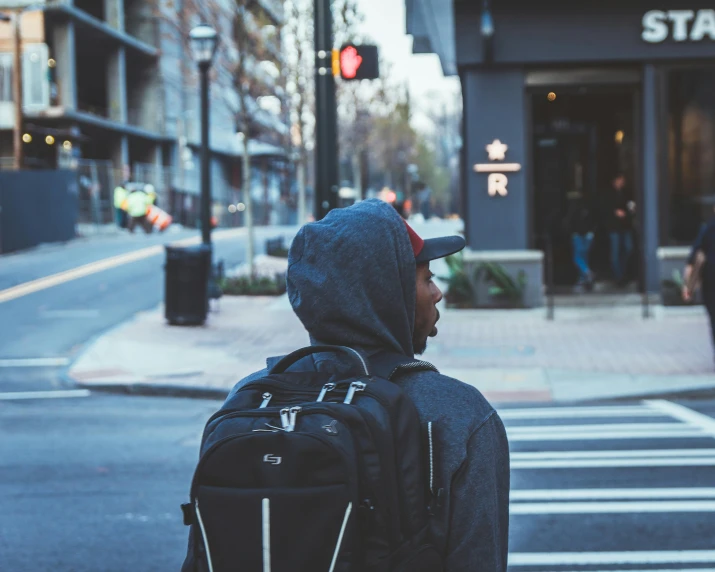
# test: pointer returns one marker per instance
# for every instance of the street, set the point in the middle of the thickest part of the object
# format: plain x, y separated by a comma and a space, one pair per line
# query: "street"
52, 326
94, 484
93, 481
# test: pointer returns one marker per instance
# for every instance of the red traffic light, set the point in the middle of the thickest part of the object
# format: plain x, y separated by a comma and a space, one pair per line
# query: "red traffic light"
357, 62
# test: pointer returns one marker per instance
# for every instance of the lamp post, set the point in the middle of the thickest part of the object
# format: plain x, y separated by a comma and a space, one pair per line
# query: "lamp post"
203, 41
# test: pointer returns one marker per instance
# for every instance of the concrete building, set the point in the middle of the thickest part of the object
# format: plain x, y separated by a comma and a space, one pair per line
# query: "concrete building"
110, 88
559, 96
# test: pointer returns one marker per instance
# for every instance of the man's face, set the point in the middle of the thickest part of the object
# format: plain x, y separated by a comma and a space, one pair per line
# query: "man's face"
426, 313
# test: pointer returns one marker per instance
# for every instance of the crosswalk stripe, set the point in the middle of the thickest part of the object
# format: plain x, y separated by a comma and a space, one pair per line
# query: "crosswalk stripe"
17, 395
35, 362
604, 507
592, 435
686, 415
613, 463
600, 494
579, 412
639, 453
612, 558
600, 428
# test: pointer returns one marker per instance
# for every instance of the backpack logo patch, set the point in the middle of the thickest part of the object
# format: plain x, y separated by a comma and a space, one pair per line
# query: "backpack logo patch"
331, 428
272, 459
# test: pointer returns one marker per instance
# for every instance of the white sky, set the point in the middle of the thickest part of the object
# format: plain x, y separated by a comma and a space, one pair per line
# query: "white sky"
385, 23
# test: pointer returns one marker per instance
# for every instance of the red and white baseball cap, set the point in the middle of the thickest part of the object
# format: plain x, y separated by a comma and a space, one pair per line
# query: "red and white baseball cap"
433, 248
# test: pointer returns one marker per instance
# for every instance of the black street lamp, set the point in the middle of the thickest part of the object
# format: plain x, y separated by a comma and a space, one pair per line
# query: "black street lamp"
203, 42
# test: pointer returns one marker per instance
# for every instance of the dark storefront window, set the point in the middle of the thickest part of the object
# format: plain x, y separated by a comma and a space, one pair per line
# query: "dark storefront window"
691, 151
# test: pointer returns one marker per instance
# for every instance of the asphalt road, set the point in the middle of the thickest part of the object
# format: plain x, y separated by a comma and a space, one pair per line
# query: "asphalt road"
95, 483
58, 322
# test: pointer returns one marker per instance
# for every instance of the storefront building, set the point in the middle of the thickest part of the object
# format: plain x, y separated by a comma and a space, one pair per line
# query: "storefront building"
559, 97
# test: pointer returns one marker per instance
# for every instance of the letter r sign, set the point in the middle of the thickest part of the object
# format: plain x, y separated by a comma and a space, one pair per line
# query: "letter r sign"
497, 185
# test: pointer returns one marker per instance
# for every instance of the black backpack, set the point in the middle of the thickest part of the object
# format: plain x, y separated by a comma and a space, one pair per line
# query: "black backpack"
313, 472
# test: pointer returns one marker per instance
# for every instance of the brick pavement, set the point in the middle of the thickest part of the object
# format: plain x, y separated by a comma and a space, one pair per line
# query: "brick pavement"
509, 355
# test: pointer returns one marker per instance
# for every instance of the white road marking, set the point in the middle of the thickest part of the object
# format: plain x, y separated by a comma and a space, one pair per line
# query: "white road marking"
35, 362
100, 265
607, 431
613, 463
703, 422
600, 494
604, 507
610, 558
60, 394
579, 412
598, 459
71, 314
643, 570
529, 455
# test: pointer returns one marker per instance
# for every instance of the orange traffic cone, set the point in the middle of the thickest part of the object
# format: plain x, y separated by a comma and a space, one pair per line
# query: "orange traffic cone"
159, 218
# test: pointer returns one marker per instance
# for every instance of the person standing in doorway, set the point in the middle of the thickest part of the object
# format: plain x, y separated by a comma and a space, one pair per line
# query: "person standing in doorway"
580, 224
620, 214
705, 244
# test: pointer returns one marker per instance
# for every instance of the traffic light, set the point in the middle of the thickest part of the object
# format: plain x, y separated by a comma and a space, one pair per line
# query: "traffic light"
354, 62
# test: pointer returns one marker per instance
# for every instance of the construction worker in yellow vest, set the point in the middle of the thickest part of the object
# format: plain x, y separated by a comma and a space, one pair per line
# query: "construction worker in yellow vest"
120, 213
137, 204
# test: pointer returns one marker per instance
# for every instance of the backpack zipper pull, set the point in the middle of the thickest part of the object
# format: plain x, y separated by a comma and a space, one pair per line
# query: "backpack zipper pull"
327, 387
354, 387
293, 418
266, 400
285, 420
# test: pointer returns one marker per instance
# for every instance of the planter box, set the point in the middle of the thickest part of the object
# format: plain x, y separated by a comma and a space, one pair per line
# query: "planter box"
531, 262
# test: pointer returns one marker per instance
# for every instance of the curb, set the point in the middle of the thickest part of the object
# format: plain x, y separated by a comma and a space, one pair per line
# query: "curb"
154, 390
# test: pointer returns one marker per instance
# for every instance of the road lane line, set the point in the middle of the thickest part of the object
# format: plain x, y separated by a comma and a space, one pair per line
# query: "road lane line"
578, 412
693, 418
613, 454
101, 265
611, 494
611, 558
604, 507
35, 362
13, 396
614, 463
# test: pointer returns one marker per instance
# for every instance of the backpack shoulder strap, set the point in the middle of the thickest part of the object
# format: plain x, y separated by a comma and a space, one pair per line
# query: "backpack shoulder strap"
390, 365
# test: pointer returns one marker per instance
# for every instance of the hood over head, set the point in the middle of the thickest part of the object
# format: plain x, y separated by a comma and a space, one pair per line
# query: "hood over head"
351, 278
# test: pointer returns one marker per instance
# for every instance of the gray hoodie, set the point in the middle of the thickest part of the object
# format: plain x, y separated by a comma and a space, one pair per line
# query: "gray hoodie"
351, 281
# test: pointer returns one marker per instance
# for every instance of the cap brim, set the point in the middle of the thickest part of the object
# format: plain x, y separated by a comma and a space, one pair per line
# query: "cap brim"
440, 247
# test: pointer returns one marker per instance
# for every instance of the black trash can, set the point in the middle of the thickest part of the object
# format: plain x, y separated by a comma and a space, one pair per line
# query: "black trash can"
186, 284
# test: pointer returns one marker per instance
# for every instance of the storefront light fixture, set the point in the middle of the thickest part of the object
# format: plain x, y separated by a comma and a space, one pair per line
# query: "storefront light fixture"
51, 63
50, 140
232, 208
551, 96
67, 145
619, 136
240, 207
27, 138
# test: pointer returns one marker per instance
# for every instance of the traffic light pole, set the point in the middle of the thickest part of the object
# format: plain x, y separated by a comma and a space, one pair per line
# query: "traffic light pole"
326, 137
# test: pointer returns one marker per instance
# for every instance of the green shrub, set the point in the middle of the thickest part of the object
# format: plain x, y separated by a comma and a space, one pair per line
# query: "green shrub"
258, 286
459, 290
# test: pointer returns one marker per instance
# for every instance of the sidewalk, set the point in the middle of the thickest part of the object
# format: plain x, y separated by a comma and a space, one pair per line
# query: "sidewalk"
511, 356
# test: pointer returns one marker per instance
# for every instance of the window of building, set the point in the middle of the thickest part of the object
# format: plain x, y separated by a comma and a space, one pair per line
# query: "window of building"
691, 125
5, 77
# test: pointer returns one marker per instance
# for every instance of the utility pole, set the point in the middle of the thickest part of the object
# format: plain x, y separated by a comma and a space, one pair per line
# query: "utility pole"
326, 152
17, 93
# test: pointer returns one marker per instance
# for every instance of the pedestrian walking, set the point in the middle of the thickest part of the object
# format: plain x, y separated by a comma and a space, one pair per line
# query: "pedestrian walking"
360, 282
621, 211
120, 214
700, 271
138, 203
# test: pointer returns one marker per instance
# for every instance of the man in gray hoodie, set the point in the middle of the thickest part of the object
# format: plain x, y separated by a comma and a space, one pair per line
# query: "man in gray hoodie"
360, 278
